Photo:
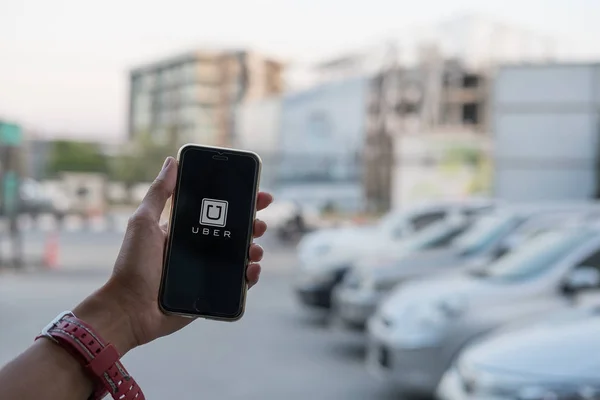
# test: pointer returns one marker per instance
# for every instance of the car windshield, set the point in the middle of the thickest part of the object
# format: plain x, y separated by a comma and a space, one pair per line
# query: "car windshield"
437, 234
486, 231
536, 258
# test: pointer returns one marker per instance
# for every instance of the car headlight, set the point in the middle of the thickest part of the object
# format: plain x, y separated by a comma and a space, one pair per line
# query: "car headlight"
327, 276
482, 383
384, 286
453, 306
583, 392
352, 279
438, 314
323, 277
369, 283
422, 325
432, 316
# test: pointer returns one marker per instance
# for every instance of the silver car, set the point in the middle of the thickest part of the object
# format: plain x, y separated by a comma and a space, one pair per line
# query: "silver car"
325, 256
417, 331
555, 358
355, 298
490, 237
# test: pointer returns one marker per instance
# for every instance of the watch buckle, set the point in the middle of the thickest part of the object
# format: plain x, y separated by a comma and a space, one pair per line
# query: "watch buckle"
46, 331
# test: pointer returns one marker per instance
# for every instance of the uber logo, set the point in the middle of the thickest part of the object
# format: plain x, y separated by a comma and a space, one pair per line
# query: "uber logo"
214, 212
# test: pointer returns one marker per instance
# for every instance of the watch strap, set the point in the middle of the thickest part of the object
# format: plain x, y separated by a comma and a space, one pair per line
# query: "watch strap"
99, 359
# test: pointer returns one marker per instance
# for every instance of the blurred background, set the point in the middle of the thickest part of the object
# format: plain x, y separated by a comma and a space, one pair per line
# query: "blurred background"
435, 166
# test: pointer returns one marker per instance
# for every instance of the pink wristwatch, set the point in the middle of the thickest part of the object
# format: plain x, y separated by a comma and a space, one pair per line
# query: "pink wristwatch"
99, 359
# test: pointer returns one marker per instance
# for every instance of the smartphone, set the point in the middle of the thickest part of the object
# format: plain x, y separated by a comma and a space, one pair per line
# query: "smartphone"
210, 231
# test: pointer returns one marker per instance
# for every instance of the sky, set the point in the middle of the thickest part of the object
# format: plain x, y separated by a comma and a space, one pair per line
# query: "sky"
64, 63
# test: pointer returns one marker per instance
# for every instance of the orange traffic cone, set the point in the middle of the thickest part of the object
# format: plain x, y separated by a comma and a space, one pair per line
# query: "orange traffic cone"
51, 251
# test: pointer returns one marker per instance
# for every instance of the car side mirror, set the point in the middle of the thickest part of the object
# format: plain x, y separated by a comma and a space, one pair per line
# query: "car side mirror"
501, 251
582, 278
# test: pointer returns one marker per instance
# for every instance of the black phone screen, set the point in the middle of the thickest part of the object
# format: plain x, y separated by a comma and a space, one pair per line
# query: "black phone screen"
210, 230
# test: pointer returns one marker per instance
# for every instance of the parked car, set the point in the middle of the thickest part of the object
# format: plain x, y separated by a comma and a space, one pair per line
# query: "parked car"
421, 327
325, 256
35, 200
355, 297
490, 237
288, 219
555, 358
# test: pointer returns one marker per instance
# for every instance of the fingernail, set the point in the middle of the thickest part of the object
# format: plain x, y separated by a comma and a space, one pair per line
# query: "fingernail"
166, 163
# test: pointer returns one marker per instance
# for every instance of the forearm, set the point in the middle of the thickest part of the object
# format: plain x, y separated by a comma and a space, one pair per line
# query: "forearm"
44, 371
47, 371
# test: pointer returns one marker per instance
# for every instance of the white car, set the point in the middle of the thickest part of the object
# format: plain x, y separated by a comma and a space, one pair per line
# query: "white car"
37, 199
325, 256
490, 237
289, 219
419, 329
552, 358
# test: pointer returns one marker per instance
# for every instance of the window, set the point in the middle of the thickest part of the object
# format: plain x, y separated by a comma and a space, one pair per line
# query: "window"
592, 261
436, 235
141, 113
208, 94
484, 233
208, 72
189, 93
165, 78
470, 113
470, 81
423, 220
189, 72
148, 81
178, 74
539, 256
136, 84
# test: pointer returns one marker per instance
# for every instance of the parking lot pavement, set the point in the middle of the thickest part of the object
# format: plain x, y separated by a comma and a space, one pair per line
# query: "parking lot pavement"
277, 351
87, 250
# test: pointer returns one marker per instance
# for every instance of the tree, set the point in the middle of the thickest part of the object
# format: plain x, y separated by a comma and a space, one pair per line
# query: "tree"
74, 156
141, 162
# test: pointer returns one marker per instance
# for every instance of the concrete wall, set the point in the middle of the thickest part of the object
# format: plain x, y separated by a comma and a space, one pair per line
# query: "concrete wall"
545, 132
435, 166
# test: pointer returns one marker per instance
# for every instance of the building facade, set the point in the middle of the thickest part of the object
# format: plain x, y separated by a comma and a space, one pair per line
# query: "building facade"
193, 97
435, 97
321, 138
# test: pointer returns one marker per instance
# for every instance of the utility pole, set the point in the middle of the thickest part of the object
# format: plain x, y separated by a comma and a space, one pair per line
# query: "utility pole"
379, 152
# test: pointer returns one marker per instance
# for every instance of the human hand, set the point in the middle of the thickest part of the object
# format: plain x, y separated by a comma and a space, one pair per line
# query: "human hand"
125, 310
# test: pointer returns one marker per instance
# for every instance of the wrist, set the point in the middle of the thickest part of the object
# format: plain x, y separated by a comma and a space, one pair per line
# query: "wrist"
103, 313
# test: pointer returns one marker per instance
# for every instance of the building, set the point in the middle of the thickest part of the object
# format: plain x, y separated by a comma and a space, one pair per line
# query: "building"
192, 97
257, 128
431, 81
321, 138
546, 124
435, 97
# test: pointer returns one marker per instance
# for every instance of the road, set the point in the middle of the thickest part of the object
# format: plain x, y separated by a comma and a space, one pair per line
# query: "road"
277, 351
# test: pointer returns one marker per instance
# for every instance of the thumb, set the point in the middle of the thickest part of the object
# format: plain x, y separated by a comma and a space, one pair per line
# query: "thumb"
161, 189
